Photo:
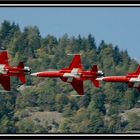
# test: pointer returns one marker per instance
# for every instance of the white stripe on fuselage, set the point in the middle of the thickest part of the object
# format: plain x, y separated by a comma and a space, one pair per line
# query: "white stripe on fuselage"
74, 73
2, 66
136, 81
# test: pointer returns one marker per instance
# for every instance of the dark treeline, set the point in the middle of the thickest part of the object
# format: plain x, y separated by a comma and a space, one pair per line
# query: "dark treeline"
46, 105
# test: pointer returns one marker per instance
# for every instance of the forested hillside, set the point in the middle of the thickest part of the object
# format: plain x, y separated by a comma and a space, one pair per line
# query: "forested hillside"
46, 105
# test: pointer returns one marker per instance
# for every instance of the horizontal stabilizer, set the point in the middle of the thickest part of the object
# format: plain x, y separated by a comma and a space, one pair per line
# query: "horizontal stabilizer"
22, 79
22, 76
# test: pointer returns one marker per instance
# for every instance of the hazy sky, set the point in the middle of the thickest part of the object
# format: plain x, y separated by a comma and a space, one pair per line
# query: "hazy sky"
117, 25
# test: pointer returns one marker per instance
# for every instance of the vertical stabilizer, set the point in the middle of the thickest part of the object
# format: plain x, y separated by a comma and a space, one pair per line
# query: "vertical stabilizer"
94, 68
22, 75
95, 82
21, 65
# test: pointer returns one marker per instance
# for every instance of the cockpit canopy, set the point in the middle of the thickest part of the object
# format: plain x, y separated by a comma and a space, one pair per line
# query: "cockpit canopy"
27, 70
100, 74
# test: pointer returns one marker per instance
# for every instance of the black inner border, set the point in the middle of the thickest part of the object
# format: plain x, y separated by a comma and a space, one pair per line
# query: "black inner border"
25, 3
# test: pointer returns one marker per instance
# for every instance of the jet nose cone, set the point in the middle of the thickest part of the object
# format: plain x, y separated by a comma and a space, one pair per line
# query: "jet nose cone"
34, 74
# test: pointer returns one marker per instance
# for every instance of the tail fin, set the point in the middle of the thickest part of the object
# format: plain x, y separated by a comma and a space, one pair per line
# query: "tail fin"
21, 65
94, 68
22, 79
95, 82
22, 75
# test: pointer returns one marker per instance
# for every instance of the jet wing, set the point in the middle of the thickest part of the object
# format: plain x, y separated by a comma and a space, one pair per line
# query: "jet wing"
76, 62
3, 57
78, 86
135, 85
96, 83
5, 82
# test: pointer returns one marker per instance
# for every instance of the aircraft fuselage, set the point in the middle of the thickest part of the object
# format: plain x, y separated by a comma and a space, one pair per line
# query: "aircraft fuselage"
84, 75
13, 71
122, 79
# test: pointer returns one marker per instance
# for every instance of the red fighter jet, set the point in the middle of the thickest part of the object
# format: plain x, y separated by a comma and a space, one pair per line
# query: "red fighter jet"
74, 74
6, 71
131, 79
